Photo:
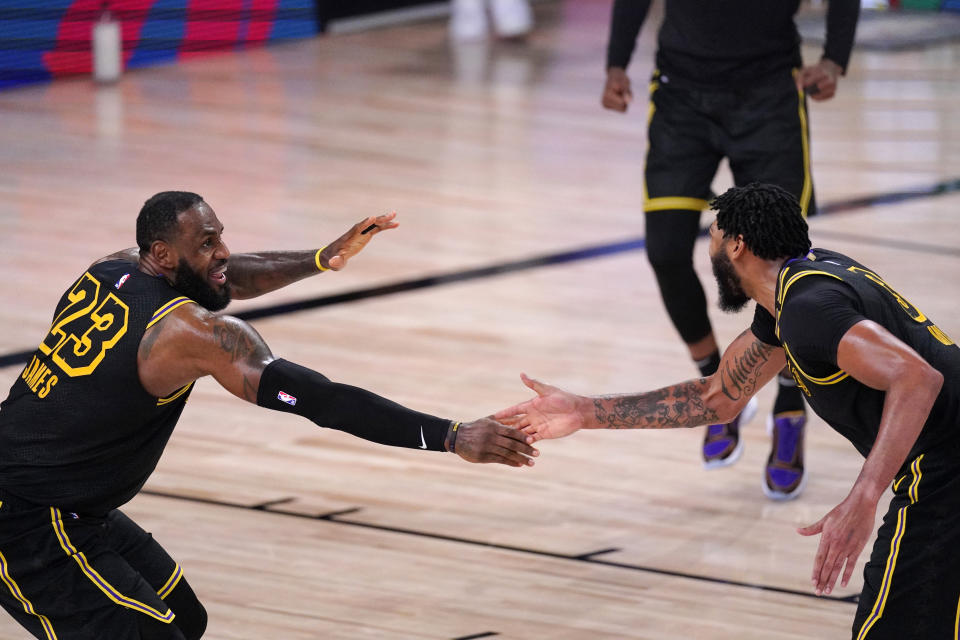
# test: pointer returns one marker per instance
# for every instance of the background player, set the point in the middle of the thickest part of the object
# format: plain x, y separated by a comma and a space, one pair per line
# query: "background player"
871, 364
728, 83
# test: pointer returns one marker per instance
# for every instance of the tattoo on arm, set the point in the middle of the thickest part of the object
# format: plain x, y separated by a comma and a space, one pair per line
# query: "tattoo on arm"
233, 340
681, 405
148, 340
247, 352
253, 274
739, 377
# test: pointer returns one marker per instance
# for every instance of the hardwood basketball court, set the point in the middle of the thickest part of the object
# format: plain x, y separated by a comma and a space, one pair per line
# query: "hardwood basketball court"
500, 157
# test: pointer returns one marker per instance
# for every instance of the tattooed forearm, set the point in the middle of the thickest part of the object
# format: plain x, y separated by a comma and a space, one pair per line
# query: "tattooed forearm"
681, 405
738, 378
253, 274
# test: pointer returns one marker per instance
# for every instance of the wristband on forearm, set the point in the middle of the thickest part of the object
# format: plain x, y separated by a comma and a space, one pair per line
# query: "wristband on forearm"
288, 387
452, 443
316, 258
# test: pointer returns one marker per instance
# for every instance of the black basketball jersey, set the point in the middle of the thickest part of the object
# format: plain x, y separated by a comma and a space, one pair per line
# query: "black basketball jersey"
818, 299
78, 431
727, 43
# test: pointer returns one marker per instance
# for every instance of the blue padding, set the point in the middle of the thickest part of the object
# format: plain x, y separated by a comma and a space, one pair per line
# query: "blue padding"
161, 34
28, 29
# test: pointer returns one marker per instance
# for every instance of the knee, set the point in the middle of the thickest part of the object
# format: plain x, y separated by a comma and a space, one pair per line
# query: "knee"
667, 262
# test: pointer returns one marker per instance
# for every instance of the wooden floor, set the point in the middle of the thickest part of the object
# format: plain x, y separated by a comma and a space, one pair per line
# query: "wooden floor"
490, 155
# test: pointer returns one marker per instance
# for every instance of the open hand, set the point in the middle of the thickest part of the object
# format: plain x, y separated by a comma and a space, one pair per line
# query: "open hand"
336, 254
844, 532
554, 413
486, 440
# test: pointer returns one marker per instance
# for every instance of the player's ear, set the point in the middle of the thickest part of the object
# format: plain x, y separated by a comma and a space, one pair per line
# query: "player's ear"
164, 254
737, 246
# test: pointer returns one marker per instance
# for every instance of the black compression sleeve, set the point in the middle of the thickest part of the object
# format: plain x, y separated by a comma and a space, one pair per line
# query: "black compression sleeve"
842, 18
288, 387
625, 22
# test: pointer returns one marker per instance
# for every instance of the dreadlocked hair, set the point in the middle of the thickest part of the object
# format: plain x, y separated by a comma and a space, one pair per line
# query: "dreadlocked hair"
158, 217
768, 218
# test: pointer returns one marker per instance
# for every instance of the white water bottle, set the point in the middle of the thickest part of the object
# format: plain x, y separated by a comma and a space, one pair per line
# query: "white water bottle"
107, 48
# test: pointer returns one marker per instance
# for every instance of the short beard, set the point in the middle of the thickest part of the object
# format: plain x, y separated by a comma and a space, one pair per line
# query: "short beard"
196, 287
732, 296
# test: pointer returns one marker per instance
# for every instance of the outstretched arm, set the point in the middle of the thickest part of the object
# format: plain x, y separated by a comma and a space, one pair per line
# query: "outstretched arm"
191, 342
254, 274
746, 366
875, 357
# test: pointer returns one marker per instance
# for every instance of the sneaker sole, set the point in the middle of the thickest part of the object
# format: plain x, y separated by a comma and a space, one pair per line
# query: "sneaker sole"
780, 496
729, 460
745, 416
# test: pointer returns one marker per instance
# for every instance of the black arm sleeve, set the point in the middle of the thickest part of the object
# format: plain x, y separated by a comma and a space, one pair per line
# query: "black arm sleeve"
842, 16
625, 23
288, 387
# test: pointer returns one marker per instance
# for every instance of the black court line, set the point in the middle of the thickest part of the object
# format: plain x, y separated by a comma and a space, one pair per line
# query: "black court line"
594, 554
902, 245
334, 517
893, 197
593, 251
270, 503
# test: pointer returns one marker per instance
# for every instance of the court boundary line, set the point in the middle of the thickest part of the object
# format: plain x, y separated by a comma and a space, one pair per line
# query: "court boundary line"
335, 517
562, 257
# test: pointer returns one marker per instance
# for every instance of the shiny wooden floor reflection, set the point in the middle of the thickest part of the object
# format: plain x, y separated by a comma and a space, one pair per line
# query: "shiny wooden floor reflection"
490, 154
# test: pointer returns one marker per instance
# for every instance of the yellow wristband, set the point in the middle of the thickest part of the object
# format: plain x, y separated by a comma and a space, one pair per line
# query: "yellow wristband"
317, 258
452, 444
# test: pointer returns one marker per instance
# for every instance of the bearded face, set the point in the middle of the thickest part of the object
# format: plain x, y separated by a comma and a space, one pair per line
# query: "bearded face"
732, 296
197, 287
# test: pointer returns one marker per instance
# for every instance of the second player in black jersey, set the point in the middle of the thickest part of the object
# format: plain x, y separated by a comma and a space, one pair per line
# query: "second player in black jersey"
871, 364
729, 82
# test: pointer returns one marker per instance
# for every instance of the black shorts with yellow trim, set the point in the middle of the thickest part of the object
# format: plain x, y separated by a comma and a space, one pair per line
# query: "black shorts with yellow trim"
761, 129
67, 577
912, 580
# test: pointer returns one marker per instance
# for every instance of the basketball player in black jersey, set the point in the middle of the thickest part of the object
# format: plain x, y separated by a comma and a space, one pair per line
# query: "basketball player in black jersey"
729, 83
871, 364
88, 418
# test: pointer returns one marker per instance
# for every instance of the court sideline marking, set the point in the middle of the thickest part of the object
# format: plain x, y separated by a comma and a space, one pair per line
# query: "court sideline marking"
595, 251
612, 248
337, 517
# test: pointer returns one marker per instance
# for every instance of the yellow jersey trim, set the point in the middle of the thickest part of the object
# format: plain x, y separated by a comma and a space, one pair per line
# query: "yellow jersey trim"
956, 622
171, 583
675, 202
886, 584
831, 379
19, 597
167, 308
784, 286
171, 398
807, 192
108, 589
